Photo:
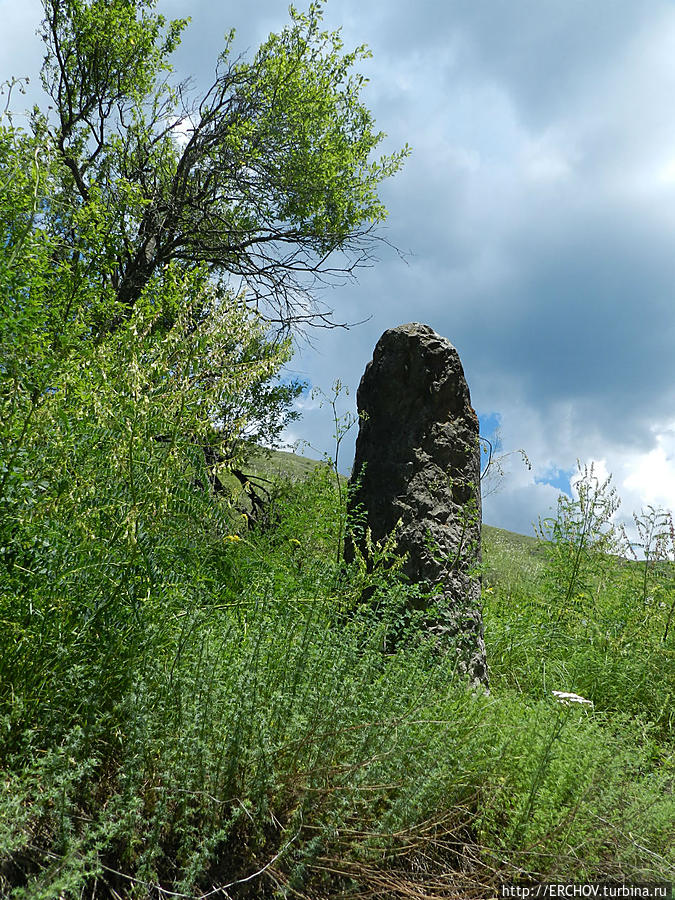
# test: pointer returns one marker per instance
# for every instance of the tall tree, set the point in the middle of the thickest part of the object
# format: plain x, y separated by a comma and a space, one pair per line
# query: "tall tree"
266, 178
147, 241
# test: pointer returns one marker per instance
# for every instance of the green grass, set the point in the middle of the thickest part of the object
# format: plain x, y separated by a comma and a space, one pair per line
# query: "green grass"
229, 714
281, 463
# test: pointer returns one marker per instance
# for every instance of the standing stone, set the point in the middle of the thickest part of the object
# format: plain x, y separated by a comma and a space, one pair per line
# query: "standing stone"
417, 473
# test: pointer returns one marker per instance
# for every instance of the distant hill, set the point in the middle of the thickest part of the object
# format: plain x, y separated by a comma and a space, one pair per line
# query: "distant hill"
276, 463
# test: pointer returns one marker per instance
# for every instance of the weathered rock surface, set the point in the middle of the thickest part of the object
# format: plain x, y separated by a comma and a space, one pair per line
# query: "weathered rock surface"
417, 470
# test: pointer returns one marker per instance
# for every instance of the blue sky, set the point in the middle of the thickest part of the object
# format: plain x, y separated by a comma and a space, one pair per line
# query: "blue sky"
537, 215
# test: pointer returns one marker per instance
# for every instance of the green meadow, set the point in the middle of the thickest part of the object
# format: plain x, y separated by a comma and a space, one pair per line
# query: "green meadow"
202, 708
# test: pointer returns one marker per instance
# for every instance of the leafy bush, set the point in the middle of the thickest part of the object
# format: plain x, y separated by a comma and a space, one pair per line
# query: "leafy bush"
257, 737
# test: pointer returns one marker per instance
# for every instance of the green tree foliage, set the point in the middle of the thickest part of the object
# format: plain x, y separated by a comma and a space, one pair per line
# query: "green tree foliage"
267, 177
186, 378
127, 209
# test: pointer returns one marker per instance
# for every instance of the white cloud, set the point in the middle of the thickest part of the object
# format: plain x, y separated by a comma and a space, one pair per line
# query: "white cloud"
545, 160
183, 130
649, 478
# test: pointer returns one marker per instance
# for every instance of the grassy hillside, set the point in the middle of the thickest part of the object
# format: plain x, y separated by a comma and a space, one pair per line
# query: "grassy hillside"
276, 463
241, 723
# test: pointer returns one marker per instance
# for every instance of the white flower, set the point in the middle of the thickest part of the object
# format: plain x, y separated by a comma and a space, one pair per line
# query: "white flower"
567, 698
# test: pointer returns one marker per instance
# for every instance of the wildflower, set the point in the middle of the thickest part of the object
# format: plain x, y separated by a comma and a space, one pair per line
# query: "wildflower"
232, 538
295, 541
567, 698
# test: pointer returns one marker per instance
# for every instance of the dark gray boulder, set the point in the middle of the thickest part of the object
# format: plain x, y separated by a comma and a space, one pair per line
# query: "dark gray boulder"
417, 472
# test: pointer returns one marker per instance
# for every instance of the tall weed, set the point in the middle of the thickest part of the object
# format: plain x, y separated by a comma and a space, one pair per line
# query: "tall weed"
259, 738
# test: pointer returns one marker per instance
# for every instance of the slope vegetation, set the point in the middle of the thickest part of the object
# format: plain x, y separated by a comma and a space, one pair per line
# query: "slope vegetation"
219, 714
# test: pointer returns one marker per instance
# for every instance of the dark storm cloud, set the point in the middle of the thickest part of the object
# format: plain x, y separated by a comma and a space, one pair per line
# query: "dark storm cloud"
589, 318
543, 54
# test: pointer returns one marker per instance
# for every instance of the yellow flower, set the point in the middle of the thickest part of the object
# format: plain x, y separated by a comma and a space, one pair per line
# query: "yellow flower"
232, 538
